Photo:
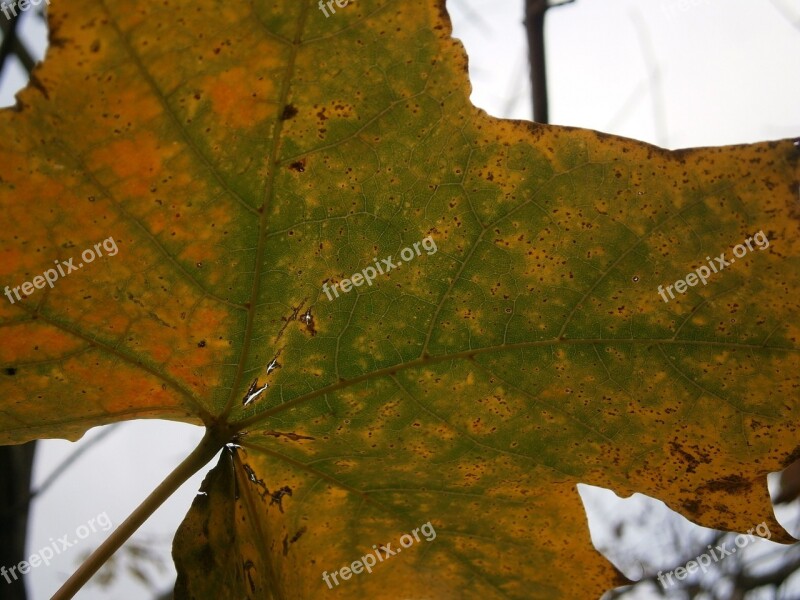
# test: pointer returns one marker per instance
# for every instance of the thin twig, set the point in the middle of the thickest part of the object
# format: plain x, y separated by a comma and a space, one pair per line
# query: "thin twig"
653, 74
67, 462
12, 45
534, 25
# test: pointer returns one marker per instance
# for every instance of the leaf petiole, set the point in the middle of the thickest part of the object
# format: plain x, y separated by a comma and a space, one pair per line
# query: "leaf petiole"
208, 447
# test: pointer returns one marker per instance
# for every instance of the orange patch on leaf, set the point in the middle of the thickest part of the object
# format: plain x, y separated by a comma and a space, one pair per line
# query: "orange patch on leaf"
231, 92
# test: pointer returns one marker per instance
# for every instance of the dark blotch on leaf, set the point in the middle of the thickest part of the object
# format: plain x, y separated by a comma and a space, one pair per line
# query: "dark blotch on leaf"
732, 484
793, 456
247, 567
289, 111
297, 535
11, 371
277, 497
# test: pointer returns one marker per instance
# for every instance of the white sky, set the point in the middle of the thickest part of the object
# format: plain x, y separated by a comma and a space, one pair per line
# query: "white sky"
721, 71
709, 72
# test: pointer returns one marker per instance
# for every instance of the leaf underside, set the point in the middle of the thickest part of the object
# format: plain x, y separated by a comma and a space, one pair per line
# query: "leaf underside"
241, 157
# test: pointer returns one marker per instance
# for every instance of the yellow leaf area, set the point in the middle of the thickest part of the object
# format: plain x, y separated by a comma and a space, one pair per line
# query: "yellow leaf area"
251, 163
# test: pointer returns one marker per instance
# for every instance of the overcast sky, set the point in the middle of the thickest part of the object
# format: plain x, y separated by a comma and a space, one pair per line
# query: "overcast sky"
676, 73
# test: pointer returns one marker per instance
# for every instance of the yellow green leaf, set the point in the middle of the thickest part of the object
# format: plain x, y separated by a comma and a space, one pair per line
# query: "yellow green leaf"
225, 166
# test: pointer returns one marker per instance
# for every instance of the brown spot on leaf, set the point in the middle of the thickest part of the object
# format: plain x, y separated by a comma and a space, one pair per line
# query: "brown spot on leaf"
289, 111
732, 484
277, 497
292, 436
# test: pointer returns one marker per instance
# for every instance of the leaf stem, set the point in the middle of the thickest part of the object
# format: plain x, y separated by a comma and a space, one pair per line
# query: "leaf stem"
210, 444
